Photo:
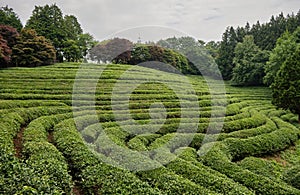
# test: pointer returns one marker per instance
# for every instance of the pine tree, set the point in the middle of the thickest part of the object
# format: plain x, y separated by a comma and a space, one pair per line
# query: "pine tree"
226, 53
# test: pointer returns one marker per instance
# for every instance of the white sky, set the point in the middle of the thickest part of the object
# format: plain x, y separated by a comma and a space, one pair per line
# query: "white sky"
202, 19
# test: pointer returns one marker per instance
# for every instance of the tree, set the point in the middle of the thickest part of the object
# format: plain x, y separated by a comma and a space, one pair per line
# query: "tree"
10, 34
9, 17
71, 51
107, 51
142, 53
86, 42
73, 27
5, 53
249, 63
200, 61
286, 86
32, 50
213, 48
226, 53
48, 21
285, 46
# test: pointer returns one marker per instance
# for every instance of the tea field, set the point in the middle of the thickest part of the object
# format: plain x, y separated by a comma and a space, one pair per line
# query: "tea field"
57, 132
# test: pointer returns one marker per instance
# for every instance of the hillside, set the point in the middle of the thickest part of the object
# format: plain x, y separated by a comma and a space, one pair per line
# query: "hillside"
51, 141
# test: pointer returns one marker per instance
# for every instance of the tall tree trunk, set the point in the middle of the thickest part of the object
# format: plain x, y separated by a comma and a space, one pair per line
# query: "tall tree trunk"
299, 118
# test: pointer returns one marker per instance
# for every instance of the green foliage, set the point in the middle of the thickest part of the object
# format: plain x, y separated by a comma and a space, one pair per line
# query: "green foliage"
10, 18
71, 51
265, 37
199, 59
148, 53
285, 46
249, 63
48, 21
64, 32
263, 167
226, 53
73, 27
58, 153
213, 48
286, 86
32, 50
292, 176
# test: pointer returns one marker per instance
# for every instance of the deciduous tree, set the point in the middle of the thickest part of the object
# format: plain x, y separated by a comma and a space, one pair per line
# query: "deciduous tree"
32, 50
286, 86
285, 47
249, 63
10, 34
5, 53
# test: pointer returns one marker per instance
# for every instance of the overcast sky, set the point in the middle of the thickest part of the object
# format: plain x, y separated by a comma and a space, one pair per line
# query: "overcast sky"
202, 19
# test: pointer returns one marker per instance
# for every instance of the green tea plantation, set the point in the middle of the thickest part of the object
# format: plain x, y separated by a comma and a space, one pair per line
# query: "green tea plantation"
50, 138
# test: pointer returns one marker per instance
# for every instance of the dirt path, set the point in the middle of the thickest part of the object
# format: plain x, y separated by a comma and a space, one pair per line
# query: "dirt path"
50, 137
18, 143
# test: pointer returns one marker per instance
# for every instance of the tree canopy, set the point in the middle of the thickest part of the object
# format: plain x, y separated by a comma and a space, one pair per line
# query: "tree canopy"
285, 47
48, 21
10, 18
141, 54
5, 53
200, 60
108, 50
249, 63
265, 37
286, 85
64, 32
32, 50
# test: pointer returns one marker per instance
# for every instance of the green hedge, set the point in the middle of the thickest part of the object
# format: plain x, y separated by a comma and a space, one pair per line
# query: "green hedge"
93, 175
218, 158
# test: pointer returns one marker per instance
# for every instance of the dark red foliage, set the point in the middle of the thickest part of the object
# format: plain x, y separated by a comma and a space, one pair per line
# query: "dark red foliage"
10, 34
5, 53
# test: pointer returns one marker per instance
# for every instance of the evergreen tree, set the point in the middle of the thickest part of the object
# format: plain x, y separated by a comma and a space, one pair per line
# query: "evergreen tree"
32, 50
10, 18
226, 53
48, 21
73, 27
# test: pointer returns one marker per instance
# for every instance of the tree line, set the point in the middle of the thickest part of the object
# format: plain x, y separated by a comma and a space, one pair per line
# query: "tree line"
47, 37
185, 54
258, 42
264, 54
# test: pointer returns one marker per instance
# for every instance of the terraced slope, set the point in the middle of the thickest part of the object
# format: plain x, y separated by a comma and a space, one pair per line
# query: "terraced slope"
51, 140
